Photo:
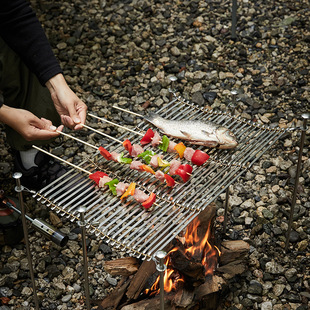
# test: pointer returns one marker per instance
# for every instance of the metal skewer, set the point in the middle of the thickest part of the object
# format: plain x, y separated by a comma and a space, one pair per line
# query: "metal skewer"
77, 139
127, 111
63, 160
114, 124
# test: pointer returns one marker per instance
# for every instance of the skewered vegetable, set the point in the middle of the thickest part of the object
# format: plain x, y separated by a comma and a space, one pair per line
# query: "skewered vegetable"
147, 138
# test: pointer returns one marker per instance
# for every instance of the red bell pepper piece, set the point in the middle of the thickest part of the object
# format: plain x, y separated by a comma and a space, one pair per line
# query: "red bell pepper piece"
96, 176
199, 158
184, 171
149, 202
127, 145
169, 180
105, 153
147, 138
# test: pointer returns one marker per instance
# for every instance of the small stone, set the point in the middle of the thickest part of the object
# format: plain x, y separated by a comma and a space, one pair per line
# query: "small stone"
66, 298
278, 289
27, 291
302, 245
255, 288
274, 268
111, 281
266, 305
175, 51
61, 45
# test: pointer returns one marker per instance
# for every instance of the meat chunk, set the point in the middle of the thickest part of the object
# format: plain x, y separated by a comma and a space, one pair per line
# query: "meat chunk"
188, 153
156, 139
174, 165
104, 180
135, 165
171, 147
115, 156
140, 196
154, 160
159, 175
121, 188
136, 150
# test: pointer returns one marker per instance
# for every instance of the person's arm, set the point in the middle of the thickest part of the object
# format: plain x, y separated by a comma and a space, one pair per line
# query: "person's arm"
22, 31
27, 124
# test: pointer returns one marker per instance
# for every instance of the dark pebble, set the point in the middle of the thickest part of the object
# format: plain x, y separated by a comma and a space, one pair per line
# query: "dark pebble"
105, 249
294, 236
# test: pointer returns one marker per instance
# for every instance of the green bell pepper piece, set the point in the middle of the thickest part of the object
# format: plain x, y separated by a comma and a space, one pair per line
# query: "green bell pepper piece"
112, 186
164, 143
124, 160
146, 156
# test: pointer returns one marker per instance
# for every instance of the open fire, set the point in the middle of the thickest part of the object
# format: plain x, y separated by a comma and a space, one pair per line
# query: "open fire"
196, 276
194, 248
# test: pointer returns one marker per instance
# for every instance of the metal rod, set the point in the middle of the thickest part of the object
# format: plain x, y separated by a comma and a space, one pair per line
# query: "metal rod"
19, 190
114, 124
159, 258
82, 225
127, 111
172, 90
44, 228
103, 134
226, 211
233, 19
77, 139
305, 117
59, 158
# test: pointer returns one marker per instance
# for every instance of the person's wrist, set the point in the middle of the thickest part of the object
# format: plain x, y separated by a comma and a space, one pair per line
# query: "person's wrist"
6, 113
55, 82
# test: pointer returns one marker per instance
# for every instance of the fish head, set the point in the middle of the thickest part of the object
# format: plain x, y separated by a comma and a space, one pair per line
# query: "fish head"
226, 138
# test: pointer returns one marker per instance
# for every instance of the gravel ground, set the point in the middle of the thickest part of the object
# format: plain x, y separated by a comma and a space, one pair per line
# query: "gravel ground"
123, 52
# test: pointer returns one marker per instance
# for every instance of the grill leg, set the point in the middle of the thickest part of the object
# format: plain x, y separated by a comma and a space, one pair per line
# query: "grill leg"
226, 211
234, 19
19, 190
159, 258
82, 224
305, 117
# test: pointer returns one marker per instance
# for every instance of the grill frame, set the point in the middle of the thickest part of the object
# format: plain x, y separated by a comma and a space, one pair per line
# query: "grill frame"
142, 233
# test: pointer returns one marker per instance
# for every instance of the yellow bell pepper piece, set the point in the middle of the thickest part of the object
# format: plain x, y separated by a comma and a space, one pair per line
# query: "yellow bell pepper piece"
162, 163
129, 191
147, 169
180, 148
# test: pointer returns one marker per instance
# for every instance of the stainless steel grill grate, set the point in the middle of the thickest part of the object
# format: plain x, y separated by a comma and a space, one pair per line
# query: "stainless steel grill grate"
141, 233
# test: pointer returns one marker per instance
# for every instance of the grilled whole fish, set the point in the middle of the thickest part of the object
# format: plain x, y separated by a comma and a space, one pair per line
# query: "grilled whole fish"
195, 132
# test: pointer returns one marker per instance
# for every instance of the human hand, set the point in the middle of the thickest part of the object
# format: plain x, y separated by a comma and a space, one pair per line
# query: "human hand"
28, 125
71, 109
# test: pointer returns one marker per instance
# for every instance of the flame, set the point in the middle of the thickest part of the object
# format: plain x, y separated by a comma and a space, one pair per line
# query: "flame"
171, 279
193, 247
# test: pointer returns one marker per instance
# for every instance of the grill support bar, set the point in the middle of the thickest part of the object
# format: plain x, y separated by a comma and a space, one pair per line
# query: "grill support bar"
19, 190
305, 117
82, 225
